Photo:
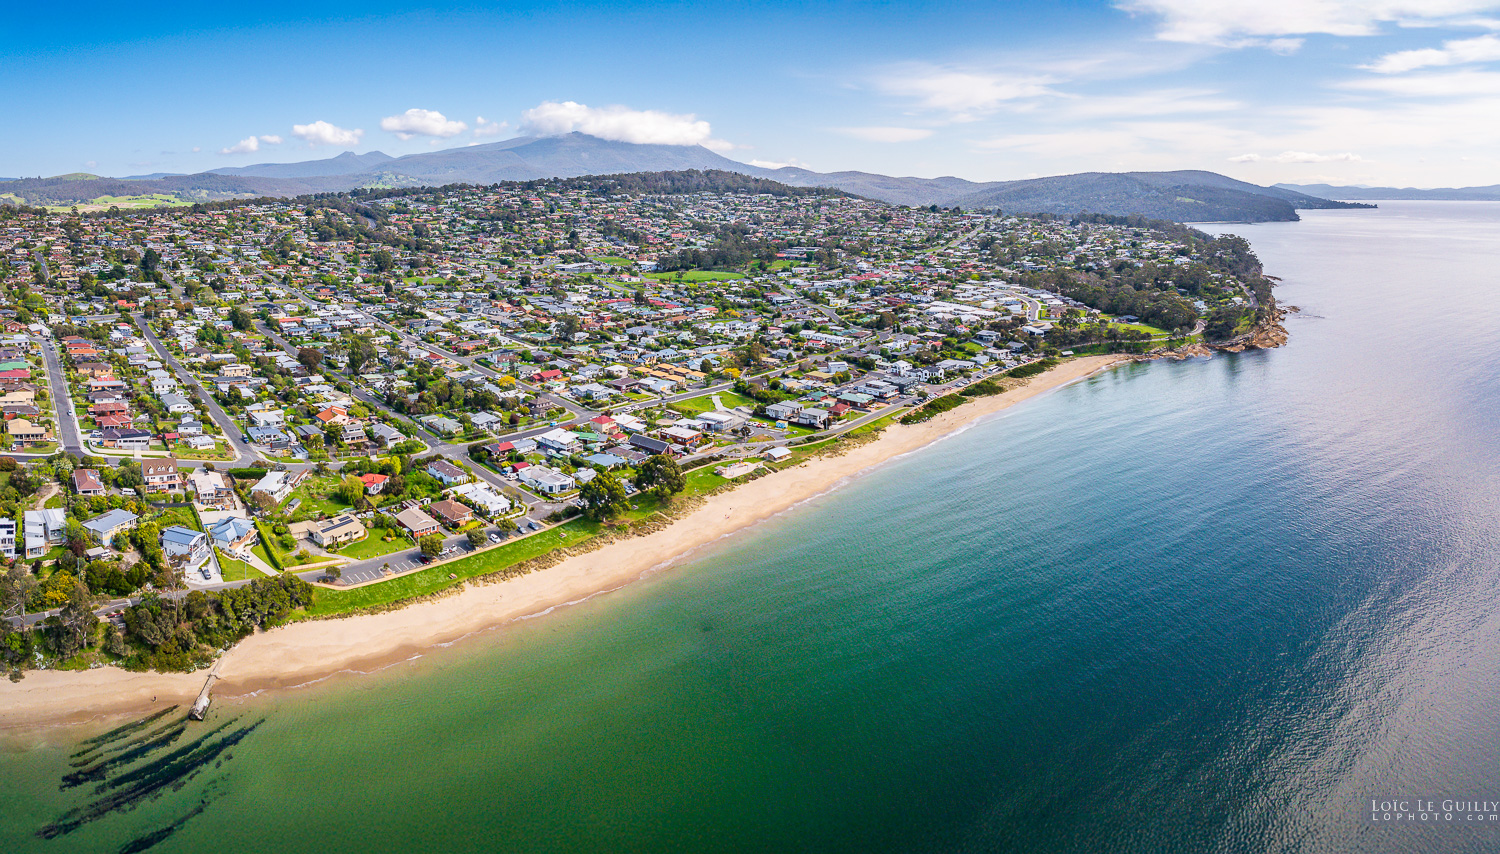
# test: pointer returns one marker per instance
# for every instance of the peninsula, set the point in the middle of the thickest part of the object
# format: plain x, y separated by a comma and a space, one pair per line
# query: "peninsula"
472, 404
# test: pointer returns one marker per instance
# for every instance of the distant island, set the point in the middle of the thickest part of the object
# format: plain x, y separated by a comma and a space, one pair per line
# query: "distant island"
1489, 193
1180, 196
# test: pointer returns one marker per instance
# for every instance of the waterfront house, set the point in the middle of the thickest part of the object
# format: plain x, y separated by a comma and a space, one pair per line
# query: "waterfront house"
344, 528
185, 548
107, 526
417, 522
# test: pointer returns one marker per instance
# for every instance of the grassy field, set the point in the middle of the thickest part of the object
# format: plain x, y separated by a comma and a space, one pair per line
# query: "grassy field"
237, 570
435, 578
705, 403
156, 200
613, 259
695, 276
1153, 331
178, 516
317, 502
374, 545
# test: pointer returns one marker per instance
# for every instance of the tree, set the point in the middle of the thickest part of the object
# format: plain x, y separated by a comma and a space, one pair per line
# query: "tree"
476, 538
661, 475
603, 497
309, 358
243, 320
351, 490
75, 624
431, 544
361, 352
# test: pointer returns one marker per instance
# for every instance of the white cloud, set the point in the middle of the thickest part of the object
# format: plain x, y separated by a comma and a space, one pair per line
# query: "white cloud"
1436, 85
1456, 52
197, 148
962, 92
776, 164
619, 123
885, 134
484, 127
1299, 157
1264, 23
244, 146
418, 122
91, 163
324, 133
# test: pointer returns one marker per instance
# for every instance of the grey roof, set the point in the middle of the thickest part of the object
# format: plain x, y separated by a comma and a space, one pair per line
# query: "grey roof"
109, 521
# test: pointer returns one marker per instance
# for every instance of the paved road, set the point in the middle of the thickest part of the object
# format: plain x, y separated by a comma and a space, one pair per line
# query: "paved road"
226, 424
68, 434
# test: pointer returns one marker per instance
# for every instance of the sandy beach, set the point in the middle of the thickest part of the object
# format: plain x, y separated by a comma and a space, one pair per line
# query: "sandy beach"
306, 653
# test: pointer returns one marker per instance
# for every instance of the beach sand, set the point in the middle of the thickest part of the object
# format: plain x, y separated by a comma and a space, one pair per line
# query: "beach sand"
305, 653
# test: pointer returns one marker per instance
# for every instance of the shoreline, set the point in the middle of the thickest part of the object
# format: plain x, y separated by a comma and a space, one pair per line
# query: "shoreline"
306, 653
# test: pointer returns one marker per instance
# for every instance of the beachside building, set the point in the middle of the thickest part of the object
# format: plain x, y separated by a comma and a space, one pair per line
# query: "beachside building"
417, 522
547, 481
185, 548
107, 526
233, 534
44, 530
450, 512
341, 529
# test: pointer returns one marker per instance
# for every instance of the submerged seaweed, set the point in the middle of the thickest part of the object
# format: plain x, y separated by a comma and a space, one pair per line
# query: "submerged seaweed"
169, 772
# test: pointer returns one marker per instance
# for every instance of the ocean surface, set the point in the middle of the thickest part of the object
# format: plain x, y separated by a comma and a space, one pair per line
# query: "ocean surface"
1210, 606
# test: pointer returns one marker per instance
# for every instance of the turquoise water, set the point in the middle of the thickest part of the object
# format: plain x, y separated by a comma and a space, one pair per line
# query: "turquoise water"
1210, 606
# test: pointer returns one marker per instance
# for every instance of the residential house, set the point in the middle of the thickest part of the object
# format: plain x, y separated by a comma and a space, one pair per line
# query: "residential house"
341, 529
417, 522
125, 438
450, 512
107, 526
278, 484
233, 534
212, 488
489, 502
374, 483
87, 482
447, 472
161, 475
7, 538
25, 433
185, 548
546, 480
44, 530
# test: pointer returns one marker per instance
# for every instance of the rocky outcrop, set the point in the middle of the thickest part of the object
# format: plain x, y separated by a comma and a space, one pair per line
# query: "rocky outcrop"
1267, 334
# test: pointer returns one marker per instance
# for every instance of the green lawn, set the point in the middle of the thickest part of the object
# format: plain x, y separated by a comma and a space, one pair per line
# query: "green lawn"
1153, 331
705, 403
178, 516
317, 498
435, 578
613, 259
237, 570
374, 545
696, 276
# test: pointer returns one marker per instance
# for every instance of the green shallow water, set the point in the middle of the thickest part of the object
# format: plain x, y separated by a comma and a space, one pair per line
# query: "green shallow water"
1208, 606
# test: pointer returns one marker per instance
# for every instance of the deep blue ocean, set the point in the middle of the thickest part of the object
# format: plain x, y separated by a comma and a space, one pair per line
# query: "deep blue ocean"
1210, 606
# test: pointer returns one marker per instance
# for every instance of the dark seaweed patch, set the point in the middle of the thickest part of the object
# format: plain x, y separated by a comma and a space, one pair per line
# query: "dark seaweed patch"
157, 740
122, 730
169, 772
156, 837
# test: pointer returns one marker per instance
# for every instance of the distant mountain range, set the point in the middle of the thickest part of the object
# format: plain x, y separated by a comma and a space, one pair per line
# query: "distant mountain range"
1449, 194
1187, 196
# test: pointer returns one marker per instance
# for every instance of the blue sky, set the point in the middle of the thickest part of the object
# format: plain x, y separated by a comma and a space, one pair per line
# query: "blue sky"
1403, 92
